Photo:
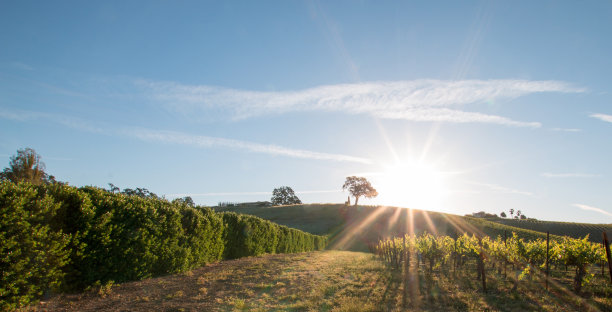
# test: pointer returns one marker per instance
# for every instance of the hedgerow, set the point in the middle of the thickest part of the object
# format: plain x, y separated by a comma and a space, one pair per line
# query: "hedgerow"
57, 237
32, 255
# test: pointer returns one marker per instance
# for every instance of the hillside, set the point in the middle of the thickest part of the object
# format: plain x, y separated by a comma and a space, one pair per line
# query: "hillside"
576, 230
354, 227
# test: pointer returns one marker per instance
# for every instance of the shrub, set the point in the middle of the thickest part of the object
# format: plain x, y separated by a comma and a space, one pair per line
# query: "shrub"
32, 255
57, 236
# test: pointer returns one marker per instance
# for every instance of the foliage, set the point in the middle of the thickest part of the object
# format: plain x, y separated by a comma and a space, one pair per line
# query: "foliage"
56, 236
26, 166
502, 214
252, 236
187, 200
32, 255
579, 253
284, 195
527, 257
359, 186
571, 229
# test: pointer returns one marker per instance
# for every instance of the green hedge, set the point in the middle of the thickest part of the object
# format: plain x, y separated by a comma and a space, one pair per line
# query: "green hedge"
58, 237
247, 235
32, 255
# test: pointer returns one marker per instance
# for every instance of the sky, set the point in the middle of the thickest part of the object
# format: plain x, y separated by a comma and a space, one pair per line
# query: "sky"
449, 106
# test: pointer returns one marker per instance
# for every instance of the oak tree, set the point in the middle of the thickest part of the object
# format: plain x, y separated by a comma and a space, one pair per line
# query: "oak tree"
284, 195
359, 186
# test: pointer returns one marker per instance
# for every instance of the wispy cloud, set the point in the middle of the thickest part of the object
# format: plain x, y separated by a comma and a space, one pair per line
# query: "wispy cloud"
208, 142
68, 121
502, 189
175, 137
246, 193
603, 117
417, 100
585, 207
569, 175
566, 129
218, 194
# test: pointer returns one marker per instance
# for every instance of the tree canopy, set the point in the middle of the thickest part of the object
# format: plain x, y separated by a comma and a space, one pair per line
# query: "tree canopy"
284, 195
26, 166
359, 186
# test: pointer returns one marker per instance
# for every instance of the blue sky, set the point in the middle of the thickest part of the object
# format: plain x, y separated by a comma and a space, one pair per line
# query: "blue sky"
450, 106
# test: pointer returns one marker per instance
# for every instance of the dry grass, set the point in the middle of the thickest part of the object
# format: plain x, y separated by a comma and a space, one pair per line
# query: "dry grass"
320, 281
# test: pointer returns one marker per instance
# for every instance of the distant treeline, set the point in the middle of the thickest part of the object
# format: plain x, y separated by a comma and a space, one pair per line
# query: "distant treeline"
56, 237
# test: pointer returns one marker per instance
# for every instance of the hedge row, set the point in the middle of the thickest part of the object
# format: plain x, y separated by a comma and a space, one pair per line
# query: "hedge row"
58, 237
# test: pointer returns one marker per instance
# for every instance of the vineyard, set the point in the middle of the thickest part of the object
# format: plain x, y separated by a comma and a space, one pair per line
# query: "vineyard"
571, 229
511, 258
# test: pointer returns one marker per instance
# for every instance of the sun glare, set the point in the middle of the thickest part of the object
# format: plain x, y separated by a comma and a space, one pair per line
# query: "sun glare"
417, 185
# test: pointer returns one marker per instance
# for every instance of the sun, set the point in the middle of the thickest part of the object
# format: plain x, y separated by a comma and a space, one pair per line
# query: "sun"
412, 185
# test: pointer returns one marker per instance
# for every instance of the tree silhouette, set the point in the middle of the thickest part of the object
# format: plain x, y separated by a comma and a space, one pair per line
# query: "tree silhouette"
359, 186
284, 195
503, 214
511, 213
187, 200
26, 166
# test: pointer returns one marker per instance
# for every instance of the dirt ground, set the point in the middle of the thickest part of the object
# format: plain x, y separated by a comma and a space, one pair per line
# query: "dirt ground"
325, 281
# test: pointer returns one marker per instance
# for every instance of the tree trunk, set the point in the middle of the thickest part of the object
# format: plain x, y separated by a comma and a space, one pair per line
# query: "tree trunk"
580, 273
356, 200
431, 264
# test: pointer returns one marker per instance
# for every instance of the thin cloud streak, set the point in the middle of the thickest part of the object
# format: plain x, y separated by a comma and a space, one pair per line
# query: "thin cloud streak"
71, 122
219, 194
585, 207
416, 100
566, 129
247, 193
207, 142
502, 189
570, 175
604, 117
179, 137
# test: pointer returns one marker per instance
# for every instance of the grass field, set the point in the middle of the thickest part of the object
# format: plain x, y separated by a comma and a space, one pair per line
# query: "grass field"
323, 281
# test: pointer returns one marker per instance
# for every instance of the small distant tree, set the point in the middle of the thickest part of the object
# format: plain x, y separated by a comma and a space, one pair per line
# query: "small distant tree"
113, 189
140, 192
359, 186
187, 200
503, 214
511, 213
518, 214
26, 166
284, 195
523, 217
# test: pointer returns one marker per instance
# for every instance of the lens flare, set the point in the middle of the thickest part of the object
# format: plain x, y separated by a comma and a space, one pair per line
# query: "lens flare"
416, 185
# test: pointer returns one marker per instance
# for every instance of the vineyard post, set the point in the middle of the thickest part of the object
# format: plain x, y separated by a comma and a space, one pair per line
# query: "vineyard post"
482, 266
603, 262
547, 246
397, 253
506, 248
605, 237
405, 251
455, 256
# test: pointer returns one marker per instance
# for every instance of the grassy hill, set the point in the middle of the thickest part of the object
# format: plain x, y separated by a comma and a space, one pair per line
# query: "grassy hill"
354, 227
571, 229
